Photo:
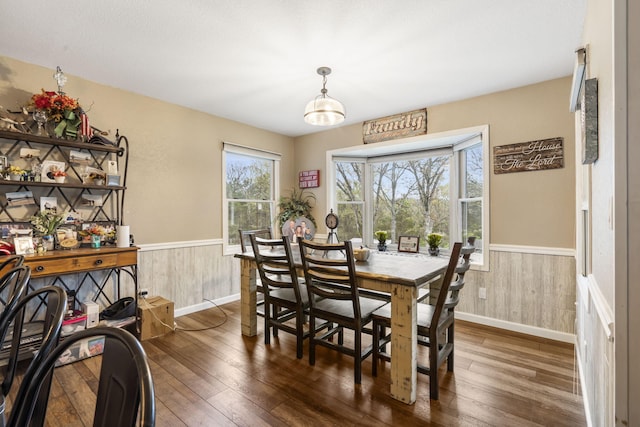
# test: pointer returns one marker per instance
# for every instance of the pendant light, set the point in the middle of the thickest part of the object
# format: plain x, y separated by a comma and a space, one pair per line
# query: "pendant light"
324, 110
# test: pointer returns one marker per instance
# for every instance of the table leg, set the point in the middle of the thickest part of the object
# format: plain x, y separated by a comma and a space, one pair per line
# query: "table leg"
248, 298
403, 343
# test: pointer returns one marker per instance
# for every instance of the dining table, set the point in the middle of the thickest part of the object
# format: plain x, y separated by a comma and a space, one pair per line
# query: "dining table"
398, 274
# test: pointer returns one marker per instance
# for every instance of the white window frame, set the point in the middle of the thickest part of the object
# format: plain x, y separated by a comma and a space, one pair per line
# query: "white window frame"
228, 147
453, 140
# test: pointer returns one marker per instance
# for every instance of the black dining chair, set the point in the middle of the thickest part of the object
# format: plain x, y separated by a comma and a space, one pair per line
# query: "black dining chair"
245, 244
48, 327
432, 324
285, 294
125, 387
330, 275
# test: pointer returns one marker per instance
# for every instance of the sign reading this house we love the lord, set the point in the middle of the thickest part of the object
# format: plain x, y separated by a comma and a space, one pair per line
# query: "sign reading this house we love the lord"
529, 156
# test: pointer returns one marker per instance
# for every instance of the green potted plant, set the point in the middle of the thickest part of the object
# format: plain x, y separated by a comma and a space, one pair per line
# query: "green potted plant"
45, 224
382, 237
434, 240
298, 203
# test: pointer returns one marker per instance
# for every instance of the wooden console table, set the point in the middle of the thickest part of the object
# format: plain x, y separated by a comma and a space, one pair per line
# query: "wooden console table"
53, 266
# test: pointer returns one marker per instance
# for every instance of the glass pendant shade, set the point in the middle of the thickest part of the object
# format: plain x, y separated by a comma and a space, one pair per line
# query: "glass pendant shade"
324, 111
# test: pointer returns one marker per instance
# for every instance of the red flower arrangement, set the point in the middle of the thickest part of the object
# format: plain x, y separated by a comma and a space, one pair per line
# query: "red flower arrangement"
54, 104
60, 108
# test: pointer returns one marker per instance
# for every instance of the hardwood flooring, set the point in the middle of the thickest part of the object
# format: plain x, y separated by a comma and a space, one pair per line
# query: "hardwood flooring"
217, 377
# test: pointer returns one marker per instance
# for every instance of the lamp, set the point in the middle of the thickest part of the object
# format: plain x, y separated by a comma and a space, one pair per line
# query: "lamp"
60, 79
578, 78
324, 110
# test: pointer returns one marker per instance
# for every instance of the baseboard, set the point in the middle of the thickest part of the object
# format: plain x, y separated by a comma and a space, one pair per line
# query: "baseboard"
583, 388
517, 327
205, 305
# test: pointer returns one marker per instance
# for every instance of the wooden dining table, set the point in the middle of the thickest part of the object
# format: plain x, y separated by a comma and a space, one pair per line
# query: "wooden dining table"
400, 275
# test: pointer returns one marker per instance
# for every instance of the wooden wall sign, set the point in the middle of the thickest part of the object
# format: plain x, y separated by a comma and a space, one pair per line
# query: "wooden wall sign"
309, 179
529, 156
394, 127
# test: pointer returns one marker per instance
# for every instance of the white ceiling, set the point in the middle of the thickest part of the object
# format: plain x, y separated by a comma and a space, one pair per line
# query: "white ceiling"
255, 61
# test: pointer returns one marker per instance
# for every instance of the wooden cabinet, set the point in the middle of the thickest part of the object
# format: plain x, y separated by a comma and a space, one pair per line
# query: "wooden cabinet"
102, 275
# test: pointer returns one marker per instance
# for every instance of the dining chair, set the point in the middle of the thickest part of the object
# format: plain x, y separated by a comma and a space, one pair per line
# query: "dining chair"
245, 243
285, 294
125, 387
10, 261
456, 286
48, 327
330, 274
432, 324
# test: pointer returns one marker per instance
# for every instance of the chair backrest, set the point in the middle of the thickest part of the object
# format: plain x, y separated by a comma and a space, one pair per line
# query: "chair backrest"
13, 285
339, 284
461, 269
447, 278
275, 264
9, 262
125, 381
55, 299
245, 243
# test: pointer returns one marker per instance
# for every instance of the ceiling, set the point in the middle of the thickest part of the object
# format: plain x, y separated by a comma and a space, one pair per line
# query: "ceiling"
255, 61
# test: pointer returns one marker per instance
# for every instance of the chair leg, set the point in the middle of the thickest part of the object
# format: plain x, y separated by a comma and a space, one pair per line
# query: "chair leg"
299, 333
312, 337
433, 367
358, 357
267, 326
450, 332
276, 309
376, 348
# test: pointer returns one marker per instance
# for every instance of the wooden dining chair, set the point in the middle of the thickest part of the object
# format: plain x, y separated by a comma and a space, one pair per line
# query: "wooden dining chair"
330, 274
245, 244
285, 294
125, 386
432, 324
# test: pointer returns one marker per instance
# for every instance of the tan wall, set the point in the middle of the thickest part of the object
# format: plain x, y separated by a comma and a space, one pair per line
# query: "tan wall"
174, 183
527, 208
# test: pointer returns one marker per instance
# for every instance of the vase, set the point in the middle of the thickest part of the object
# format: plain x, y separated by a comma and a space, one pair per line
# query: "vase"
434, 251
59, 179
40, 117
15, 177
382, 247
48, 242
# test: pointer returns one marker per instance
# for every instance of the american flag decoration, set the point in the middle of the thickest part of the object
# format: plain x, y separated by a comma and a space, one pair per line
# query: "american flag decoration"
85, 129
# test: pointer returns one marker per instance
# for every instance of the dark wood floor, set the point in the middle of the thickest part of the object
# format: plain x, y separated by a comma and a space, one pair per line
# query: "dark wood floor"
218, 377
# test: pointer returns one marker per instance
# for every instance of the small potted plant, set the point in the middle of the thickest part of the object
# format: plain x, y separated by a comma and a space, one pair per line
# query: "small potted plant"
15, 173
434, 240
45, 224
382, 236
59, 176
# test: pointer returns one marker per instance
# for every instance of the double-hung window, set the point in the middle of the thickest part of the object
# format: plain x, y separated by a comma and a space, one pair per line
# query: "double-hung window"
431, 185
250, 191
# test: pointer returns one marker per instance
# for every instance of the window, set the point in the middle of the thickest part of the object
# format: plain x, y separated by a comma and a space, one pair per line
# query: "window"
414, 188
250, 190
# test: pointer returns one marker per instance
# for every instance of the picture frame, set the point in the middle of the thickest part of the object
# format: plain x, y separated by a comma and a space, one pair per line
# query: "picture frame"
300, 226
24, 245
409, 244
48, 167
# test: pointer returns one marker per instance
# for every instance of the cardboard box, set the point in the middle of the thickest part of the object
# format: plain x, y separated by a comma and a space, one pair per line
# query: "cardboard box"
156, 317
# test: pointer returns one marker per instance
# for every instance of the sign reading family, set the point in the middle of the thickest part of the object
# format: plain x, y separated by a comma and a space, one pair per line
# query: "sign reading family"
529, 156
394, 127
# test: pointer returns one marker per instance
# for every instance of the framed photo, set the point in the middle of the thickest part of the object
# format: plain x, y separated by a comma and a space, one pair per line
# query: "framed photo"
409, 244
48, 168
298, 227
24, 245
49, 204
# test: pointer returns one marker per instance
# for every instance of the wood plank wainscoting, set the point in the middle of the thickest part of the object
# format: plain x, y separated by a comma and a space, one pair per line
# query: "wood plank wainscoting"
529, 289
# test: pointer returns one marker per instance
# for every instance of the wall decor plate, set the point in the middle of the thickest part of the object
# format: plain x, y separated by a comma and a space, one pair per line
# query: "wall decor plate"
48, 167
